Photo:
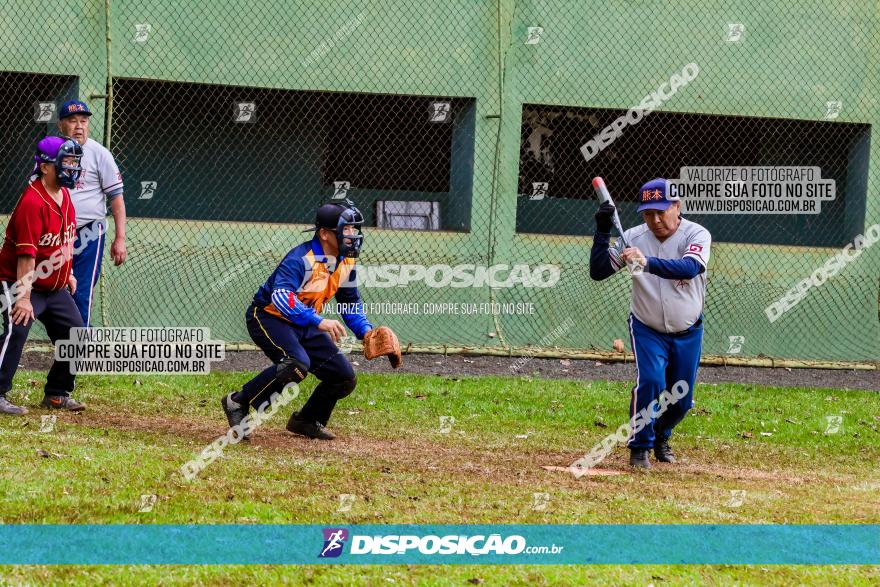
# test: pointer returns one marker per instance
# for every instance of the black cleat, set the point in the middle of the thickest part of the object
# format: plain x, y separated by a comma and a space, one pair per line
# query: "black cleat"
7, 407
638, 458
235, 413
663, 452
62, 402
309, 429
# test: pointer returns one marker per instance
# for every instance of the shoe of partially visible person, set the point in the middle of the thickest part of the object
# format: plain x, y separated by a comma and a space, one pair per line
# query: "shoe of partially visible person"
7, 407
62, 402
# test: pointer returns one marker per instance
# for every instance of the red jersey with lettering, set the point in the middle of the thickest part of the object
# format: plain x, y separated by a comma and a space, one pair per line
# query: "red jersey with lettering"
40, 228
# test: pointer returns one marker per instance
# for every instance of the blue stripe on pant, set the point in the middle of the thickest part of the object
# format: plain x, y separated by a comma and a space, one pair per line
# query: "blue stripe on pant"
661, 361
87, 258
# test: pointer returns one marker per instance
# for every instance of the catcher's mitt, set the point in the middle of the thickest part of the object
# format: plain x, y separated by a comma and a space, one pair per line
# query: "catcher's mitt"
380, 342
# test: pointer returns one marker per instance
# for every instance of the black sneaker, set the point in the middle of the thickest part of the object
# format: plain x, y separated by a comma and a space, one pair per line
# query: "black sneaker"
62, 402
309, 429
638, 458
235, 413
7, 407
663, 452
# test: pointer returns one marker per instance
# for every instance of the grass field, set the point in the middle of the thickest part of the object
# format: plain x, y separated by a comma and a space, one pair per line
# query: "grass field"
750, 455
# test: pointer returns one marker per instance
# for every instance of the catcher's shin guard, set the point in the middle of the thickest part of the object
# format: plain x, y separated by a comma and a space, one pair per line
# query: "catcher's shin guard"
289, 370
272, 380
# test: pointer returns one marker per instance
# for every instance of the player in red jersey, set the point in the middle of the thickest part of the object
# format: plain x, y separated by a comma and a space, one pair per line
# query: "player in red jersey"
35, 270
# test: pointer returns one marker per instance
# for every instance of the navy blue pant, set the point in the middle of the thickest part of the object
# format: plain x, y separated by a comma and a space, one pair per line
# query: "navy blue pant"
312, 348
58, 314
662, 360
87, 260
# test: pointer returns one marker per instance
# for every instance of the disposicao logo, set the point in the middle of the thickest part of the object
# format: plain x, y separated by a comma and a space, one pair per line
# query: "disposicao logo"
334, 541
444, 545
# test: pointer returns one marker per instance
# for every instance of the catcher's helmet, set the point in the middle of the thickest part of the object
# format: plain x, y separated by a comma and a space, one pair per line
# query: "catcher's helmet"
336, 217
54, 150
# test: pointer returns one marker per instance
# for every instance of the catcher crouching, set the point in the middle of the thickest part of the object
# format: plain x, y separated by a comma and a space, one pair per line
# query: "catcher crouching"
285, 321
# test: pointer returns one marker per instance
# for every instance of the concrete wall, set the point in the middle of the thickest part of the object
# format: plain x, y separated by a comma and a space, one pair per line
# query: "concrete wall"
796, 57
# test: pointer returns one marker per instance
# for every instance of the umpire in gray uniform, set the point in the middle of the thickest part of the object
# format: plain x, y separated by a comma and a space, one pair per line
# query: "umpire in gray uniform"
99, 181
666, 313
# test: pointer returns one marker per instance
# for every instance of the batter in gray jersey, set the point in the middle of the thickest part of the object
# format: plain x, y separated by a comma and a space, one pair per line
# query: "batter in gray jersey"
100, 180
666, 312
667, 305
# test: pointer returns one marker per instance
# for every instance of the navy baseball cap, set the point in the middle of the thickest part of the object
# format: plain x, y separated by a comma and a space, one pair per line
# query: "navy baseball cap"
72, 107
655, 195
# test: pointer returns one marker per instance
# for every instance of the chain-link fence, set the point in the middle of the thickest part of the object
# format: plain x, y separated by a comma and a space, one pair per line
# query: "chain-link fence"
459, 128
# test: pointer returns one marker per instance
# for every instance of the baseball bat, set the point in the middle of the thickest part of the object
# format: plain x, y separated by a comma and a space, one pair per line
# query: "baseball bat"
604, 196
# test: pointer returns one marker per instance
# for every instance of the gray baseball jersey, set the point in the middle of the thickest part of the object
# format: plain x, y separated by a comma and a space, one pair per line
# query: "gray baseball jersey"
667, 305
100, 179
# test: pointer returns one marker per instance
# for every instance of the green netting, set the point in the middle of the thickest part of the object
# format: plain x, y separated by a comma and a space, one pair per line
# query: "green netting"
231, 121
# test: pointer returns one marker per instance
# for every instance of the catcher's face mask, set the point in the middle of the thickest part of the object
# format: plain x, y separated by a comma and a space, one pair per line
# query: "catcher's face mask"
346, 220
64, 154
350, 240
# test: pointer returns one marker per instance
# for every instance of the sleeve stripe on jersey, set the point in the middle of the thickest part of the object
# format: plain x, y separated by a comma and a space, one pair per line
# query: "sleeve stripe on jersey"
614, 256
287, 303
111, 186
615, 260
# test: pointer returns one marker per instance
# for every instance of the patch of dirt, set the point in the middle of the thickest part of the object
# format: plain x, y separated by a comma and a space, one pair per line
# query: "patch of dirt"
581, 370
511, 467
515, 467
458, 365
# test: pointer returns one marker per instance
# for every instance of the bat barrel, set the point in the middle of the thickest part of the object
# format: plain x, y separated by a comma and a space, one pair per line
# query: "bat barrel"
601, 190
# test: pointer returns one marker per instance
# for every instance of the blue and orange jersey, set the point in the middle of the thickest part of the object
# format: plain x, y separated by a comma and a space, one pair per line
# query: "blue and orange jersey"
305, 280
